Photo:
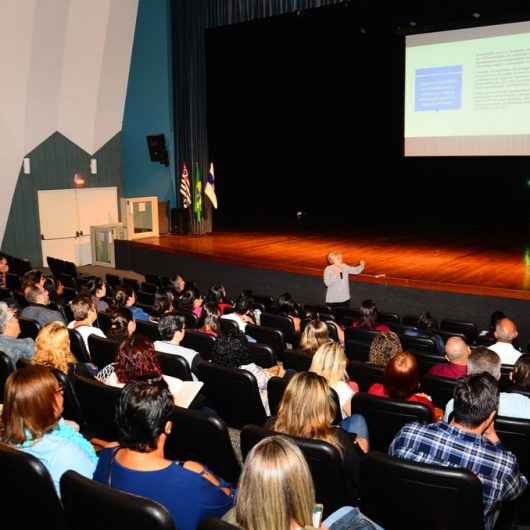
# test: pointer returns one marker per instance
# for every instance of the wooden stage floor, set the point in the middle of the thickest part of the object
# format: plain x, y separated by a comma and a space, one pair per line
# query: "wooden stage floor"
460, 264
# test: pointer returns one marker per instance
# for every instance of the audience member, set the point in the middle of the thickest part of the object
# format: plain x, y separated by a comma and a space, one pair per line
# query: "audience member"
330, 362
186, 489
337, 281
55, 290
209, 321
456, 353
314, 335
287, 307
469, 442
505, 333
124, 296
190, 301
217, 295
122, 324
427, 327
383, 347
172, 329
241, 315
307, 410
520, 376
31, 417
276, 472
489, 334
38, 309
369, 318
31, 279
177, 284
85, 315
511, 404
4, 269
10, 344
231, 351
96, 288
401, 381
164, 304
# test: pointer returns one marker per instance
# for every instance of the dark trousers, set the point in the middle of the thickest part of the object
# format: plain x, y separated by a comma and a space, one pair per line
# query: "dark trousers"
340, 304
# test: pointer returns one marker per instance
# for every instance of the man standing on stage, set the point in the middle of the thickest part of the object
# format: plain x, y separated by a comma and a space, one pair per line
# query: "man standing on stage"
337, 280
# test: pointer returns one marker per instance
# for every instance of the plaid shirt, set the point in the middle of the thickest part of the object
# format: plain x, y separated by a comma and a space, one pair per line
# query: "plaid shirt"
443, 444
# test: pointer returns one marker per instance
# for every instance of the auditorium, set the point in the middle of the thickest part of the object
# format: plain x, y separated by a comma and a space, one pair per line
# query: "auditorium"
228, 301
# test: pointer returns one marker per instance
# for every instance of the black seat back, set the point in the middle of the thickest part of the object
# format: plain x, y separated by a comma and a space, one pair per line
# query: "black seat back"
148, 329
98, 405
426, 361
419, 344
228, 326
72, 408
103, 351
271, 337
325, 464
104, 322
365, 374
202, 437
174, 365
233, 393
28, 491
297, 360
385, 417
216, 524
400, 494
6, 368
115, 509
284, 324
29, 328
388, 318
469, 329
261, 354
200, 342
440, 389
78, 347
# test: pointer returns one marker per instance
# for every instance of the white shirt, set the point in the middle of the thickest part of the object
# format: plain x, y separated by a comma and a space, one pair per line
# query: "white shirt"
86, 331
511, 405
345, 393
506, 352
237, 319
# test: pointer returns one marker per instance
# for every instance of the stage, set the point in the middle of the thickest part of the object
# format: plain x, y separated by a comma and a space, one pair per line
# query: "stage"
466, 277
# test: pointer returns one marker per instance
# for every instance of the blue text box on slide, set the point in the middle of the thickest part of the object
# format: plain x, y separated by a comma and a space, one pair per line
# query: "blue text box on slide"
438, 88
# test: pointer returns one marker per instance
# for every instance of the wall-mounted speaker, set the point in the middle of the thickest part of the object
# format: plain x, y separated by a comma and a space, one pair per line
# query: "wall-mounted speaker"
157, 148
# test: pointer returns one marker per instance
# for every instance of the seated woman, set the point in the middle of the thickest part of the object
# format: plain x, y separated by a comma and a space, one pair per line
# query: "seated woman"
177, 284
520, 375
307, 410
287, 307
135, 360
369, 318
31, 279
276, 472
427, 327
190, 301
383, 347
209, 321
55, 290
96, 288
231, 351
314, 335
186, 489
164, 304
31, 418
217, 295
122, 325
85, 315
401, 381
52, 349
330, 362
124, 296
241, 315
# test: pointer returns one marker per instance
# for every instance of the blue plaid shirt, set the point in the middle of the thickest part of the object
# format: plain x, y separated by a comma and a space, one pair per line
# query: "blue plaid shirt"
443, 444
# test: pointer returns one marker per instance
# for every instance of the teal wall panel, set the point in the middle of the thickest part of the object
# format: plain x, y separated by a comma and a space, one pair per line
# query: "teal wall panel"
149, 104
53, 166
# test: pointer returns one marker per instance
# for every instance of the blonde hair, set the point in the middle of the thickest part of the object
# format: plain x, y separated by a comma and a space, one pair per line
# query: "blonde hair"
314, 335
53, 347
307, 409
276, 472
330, 362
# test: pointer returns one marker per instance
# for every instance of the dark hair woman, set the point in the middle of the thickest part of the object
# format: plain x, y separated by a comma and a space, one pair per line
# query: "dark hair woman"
369, 318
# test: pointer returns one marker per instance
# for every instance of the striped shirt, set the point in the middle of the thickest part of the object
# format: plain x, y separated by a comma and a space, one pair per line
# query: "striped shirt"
446, 445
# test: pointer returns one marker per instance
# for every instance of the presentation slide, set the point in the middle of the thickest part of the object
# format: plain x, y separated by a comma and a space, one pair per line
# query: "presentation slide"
467, 92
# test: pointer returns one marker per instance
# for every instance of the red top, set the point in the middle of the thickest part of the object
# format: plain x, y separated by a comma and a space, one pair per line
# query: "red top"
223, 307
449, 370
379, 327
378, 389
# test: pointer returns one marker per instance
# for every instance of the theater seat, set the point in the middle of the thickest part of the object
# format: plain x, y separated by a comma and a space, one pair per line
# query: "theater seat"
103, 351
6, 368
174, 366
28, 493
270, 336
89, 505
400, 494
202, 343
78, 347
216, 524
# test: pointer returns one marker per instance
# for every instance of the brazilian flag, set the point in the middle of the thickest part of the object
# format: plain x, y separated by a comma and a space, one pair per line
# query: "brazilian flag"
197, 193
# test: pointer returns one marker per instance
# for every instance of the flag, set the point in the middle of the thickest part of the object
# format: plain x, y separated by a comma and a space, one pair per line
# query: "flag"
197, 193
209, 189
185, 187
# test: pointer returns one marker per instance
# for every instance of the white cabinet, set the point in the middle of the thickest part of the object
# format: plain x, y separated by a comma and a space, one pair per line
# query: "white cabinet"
66, 217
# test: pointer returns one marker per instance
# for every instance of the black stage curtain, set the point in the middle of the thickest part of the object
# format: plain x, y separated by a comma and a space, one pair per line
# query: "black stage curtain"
191, 18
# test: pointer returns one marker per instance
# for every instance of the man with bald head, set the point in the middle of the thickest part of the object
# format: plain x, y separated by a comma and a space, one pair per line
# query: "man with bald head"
505, 333
456, 352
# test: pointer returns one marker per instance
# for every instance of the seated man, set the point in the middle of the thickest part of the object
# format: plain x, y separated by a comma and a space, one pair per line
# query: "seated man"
511, 404
12, 346
469, 442
38, 309
457, 353
505, 333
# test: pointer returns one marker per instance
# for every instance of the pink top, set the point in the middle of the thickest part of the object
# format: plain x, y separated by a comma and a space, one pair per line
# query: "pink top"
379, 327
449, 370
378, 389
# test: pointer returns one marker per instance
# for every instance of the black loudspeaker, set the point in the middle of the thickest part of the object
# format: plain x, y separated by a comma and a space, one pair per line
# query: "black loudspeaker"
179, 221
157, 148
